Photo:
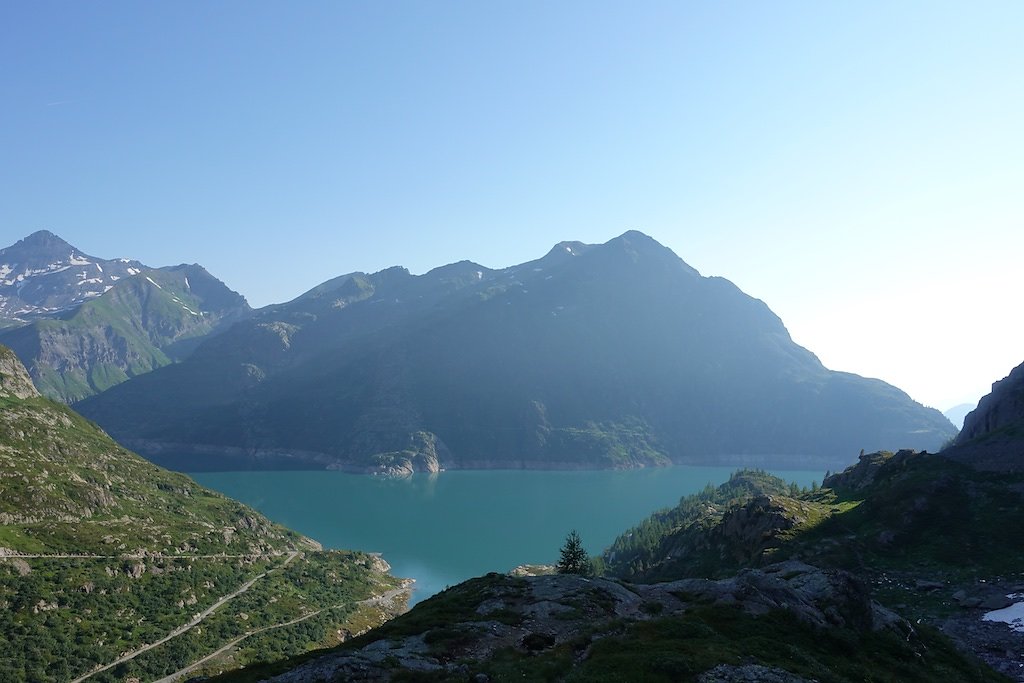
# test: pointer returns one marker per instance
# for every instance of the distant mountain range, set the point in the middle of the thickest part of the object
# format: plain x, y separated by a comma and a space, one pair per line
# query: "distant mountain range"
594, 356
957, 413
83, 324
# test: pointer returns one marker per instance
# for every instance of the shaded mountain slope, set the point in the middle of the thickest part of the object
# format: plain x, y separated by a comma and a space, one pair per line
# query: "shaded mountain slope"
102, 552
613, 355
993, 433
142, 322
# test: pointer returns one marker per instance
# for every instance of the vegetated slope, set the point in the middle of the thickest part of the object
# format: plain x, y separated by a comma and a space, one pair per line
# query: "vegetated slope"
614, 355
142, 322
42, 275
942, 541
993, 433
102, 552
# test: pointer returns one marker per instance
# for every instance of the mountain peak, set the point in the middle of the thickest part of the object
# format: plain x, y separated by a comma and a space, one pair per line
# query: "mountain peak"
43, 237
41, 241
640, 247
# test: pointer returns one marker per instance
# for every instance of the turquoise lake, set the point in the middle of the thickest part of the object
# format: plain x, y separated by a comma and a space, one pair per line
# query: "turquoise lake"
442, 529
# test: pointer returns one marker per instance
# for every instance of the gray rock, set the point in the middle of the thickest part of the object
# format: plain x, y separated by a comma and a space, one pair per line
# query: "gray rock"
750, 673
996, 601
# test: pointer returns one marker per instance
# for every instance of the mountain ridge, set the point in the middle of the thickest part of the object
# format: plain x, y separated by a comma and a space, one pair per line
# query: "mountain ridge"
613, 355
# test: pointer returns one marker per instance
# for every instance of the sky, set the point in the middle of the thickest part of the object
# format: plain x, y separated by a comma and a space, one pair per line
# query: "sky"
856, 165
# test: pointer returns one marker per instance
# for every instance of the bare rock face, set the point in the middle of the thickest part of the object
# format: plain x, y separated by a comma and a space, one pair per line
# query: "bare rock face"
1002, 408
993, 433
14, 378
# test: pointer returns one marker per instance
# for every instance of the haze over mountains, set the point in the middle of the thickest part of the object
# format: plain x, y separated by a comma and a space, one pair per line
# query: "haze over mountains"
612, 355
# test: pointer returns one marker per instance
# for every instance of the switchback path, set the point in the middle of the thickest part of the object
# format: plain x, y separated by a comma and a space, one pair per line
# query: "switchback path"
196, 620
375, 600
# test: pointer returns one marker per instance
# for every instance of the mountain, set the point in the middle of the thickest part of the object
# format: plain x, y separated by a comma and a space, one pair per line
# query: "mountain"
42, 275
612, 355
102, 553
993, 434
85, 324
143, 322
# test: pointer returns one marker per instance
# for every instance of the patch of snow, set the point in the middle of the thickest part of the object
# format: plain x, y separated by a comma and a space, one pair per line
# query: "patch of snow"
187, 285
107, 288
77, 260
1012, 616
115, 278
479, 276
134, 271
125, 260
98, 267
5, 270
151, 281
571, 252
537, 270
91, 281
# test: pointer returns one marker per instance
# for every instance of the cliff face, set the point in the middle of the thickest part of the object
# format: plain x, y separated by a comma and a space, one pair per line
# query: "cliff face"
1002, 408
993, 433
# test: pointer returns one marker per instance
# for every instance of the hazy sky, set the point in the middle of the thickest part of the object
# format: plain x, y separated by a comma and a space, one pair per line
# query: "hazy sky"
856, 165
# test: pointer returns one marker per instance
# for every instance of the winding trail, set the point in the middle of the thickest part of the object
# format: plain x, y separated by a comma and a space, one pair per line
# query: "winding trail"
386, 597
195, 621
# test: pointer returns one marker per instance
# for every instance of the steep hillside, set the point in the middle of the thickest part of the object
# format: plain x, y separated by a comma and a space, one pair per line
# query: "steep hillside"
594, 356
993, 433
140, 323
102, 552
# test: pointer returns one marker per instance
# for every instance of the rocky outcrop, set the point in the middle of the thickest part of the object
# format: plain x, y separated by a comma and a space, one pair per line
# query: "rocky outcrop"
865, 472
14, 378
537, 614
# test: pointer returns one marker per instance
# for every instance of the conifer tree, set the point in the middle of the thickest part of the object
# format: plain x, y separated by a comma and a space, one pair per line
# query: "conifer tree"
574, 559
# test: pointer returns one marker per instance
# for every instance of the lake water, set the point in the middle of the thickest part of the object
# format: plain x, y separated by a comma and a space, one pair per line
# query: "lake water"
445, 528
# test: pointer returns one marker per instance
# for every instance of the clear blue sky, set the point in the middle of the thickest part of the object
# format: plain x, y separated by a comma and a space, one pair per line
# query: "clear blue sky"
857, 165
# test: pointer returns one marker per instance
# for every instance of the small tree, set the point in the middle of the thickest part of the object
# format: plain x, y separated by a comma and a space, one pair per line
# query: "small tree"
574, 559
